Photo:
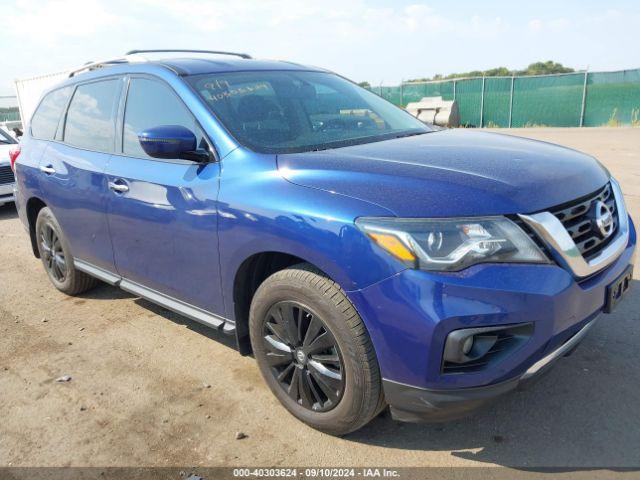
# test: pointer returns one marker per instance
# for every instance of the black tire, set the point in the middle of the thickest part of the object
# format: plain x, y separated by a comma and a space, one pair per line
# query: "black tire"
59, 264
359, 396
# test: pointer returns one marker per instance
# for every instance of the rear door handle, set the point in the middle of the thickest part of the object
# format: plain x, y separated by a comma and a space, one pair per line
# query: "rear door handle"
49, 170
119, 187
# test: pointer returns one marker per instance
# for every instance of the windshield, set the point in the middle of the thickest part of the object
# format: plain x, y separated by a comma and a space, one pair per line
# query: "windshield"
294, 111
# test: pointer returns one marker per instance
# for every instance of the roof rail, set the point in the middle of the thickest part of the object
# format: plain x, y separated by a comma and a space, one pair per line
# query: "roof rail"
216, 52
133, 56
100, 64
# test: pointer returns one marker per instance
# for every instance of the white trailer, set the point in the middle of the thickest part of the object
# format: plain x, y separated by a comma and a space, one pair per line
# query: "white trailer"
30, 90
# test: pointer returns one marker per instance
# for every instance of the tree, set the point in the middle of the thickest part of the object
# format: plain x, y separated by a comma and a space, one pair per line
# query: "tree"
545, 68
497, 72
365, 85
537, 68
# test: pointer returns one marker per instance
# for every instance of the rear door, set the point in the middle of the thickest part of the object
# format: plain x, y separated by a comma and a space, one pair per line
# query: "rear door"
72, 170
162, 213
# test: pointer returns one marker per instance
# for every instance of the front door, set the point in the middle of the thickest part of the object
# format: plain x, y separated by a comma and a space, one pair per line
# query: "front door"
162, 213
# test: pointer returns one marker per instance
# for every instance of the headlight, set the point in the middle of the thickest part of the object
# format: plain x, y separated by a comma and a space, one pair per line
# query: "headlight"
451, 244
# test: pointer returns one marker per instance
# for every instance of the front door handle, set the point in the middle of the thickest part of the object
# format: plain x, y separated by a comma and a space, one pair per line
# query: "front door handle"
118, 187
49, 170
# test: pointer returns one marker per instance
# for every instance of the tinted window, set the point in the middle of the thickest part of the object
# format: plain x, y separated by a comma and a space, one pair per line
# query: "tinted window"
279, 112
45, 120
151, 104
91, 116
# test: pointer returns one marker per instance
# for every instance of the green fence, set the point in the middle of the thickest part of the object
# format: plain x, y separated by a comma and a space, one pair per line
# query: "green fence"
567, 100
9, 114
9, 108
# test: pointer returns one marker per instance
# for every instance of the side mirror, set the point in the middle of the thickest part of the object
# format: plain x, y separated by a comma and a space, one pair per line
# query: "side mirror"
171, 141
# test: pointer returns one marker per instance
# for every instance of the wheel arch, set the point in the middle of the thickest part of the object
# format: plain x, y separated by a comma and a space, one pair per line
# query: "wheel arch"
33, 207
249, 276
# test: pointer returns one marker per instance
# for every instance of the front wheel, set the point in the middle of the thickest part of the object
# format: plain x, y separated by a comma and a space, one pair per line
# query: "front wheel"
314, 351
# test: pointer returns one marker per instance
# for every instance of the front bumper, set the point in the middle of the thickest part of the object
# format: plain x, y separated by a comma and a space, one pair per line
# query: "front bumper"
409, 316
411, 404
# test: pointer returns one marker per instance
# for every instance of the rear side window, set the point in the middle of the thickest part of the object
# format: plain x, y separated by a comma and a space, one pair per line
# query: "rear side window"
44, 122
91, 117
151, 104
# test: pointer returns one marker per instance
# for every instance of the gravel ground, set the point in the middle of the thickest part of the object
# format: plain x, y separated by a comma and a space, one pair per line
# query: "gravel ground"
149, 387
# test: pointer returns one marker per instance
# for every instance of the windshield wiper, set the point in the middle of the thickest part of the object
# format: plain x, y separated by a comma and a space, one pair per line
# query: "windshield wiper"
409, 134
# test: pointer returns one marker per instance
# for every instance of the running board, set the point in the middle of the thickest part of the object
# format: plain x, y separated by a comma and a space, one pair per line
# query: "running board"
190, 311
97, 272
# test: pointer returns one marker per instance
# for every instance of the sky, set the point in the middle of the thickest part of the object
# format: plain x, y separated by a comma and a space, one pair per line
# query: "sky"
380, 41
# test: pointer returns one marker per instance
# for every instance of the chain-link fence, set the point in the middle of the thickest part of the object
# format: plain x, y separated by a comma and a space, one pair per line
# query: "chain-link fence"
565, 100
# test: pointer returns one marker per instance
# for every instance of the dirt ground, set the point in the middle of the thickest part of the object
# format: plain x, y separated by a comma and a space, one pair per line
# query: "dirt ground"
151, 388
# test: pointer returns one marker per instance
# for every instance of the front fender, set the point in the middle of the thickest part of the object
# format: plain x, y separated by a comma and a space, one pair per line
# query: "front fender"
260, 211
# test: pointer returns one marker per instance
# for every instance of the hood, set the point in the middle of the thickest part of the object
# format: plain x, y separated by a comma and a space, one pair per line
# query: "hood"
450, 173
4, 152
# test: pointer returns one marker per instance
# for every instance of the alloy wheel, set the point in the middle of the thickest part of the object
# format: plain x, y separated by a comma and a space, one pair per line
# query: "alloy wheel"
303, 356
52, 253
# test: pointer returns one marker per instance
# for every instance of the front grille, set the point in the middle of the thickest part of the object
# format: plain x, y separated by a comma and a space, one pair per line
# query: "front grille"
530, 233
6, 175
578, 218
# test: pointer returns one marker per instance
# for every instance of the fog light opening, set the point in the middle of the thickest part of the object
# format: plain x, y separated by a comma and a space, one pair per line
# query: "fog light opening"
473, 349
467, 345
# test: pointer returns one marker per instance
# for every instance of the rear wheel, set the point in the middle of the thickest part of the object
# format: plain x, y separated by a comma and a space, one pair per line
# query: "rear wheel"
314, 352
56, 256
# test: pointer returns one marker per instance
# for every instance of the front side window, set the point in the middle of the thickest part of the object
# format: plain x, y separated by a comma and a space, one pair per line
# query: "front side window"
152, 104
44, 122
91, 117
297, 111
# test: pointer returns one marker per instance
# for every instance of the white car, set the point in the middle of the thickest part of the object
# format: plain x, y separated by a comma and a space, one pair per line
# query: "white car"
7, 180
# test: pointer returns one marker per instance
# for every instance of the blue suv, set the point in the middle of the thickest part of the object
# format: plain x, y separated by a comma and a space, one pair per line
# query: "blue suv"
364, 258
